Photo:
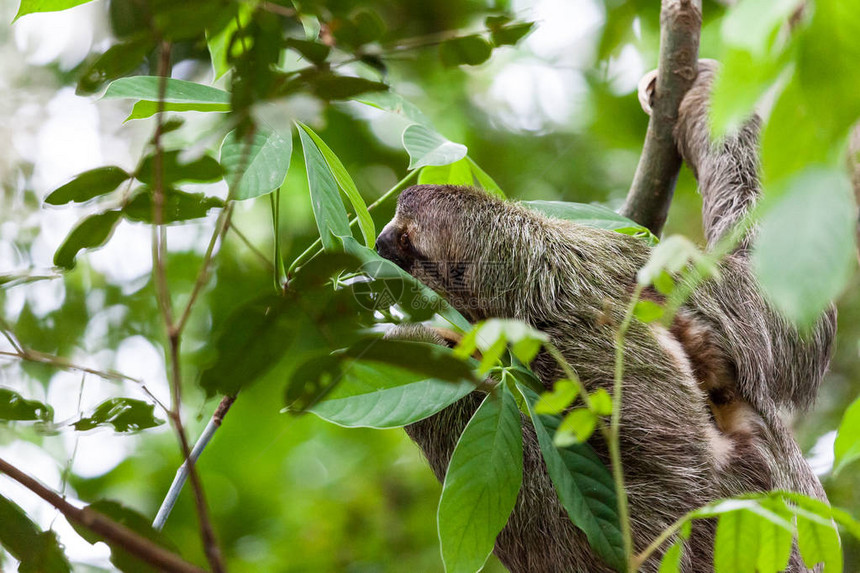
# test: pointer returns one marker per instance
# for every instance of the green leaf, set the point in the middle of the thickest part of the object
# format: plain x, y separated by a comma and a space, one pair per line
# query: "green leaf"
481, 484
176, 91
485, 181
124, 414
457, 173
736, 543
596, 216
329, 212
341, 175
510, 35
584, 485
428, 359
90, 232
601, 402
647, 311
395, 104
805, 253
248, 344
38, 551
377, 395
469, 50
576, 427
314, 52
671, 562
33, 6
13, 406
203, 169
774, 543
427, 147
144, 108
88, 185
221, 44
818, 542
312, 381
742, 82
671, 256
119, 60
257, 165
563, 394
847, 446
178, 205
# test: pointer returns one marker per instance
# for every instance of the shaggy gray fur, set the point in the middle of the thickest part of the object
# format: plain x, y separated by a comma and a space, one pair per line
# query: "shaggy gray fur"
727, 353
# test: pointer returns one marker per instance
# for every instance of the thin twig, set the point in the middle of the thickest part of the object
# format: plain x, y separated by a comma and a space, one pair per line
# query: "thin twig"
247, 242
667, 533
113, 532
63, 364
654, 182
182, 472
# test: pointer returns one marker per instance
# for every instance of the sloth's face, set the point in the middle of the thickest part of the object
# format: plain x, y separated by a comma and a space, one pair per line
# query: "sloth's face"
440, 234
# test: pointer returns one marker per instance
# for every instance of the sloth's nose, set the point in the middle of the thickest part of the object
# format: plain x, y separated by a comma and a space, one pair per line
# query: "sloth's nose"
386, 246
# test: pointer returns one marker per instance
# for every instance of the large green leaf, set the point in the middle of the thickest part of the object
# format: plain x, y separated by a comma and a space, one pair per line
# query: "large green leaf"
329, 212
202, 169
596, 216
805, 252
118, 60
145, 108
256, 166
818, 542
178, 205
736, 543
38, 551
341, 175
176, 91
457, 173
90, 232
33, 6
13, 406
88, 185
427, 147
248, 344
377, 395
482, 483
847, 446
427, 359
124, 414
584, 485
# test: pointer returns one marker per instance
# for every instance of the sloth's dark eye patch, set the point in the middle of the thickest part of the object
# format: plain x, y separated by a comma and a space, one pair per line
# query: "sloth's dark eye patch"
404, 240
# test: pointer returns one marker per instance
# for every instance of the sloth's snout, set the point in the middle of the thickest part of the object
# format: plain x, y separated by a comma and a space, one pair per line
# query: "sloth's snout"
386, 246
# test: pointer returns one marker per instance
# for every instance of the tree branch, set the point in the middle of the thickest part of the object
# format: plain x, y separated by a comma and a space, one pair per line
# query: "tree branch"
174, 331
654, 183
113, 532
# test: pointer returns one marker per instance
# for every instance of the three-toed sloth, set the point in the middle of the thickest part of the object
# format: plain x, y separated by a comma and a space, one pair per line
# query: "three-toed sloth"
701, 398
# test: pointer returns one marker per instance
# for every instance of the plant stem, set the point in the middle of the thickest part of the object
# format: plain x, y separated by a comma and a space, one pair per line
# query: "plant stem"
614, 431
639, 559
314, 250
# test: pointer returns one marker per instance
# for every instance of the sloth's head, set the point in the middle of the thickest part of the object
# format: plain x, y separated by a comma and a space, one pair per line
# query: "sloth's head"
494, 258
463, 243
